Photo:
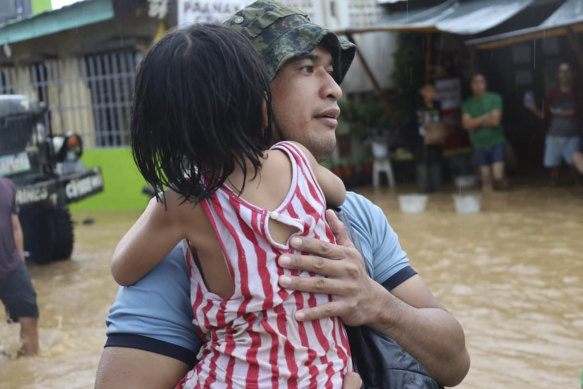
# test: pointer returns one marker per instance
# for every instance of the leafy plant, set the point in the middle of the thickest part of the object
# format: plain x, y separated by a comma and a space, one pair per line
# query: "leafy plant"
408, 73
365, 118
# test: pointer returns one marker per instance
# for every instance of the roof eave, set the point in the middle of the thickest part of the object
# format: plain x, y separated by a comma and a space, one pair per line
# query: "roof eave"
70, 17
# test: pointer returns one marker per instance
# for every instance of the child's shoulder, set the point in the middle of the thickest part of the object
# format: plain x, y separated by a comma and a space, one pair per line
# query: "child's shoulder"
296, 148
275, 157
290, 145
169, 201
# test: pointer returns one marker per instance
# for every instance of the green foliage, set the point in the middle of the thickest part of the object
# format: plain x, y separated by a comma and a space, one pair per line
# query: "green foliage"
365, 118
408, 72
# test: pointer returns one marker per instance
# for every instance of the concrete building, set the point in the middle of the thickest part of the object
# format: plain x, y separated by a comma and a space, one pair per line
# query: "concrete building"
80, 60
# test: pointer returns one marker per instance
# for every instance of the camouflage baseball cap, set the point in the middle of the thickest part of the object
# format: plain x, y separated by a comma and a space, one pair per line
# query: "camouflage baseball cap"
280, 33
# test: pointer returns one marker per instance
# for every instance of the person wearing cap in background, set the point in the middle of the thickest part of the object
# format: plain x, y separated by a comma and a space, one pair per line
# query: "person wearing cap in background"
151, 341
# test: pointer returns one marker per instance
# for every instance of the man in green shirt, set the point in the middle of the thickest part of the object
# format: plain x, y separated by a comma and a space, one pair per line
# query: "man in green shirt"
481, 116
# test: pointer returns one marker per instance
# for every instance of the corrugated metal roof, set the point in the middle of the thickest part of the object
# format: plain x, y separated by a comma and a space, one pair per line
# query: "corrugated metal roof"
464, 17
568, 16
72, 16
570, 12
473, 17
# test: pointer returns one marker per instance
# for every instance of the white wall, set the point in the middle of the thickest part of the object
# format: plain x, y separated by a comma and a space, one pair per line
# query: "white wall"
377, 49
336, 15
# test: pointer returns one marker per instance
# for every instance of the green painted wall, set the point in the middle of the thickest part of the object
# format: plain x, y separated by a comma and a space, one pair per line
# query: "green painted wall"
122, 181
39, 6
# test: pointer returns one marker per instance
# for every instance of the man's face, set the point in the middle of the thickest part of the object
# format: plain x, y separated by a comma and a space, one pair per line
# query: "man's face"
478, 85
565, 74
305, 102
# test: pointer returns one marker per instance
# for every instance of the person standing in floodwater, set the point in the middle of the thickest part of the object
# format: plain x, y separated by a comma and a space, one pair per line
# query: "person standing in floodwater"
392, 298
426, 134
564, 106
16, 290
236, 204
482, 117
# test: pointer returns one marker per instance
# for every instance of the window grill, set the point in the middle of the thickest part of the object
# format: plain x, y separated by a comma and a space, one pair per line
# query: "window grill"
91, 96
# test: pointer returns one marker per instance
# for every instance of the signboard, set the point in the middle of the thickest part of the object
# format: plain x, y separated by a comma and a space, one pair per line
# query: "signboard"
32, 195
449, 93
208, 11
158, 9
78, 189
12, 164
63, 191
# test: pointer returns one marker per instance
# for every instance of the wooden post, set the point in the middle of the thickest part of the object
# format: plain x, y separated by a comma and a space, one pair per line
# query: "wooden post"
383, 96
427, 57
576, 46
473, 60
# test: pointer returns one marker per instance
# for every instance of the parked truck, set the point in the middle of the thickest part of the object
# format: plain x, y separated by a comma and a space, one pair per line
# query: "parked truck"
48, 174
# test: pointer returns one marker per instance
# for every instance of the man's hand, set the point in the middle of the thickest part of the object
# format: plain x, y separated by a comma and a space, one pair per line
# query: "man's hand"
345, 277
409, 314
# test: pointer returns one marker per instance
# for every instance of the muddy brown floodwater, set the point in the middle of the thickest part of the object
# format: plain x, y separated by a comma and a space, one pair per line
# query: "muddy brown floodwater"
512, 275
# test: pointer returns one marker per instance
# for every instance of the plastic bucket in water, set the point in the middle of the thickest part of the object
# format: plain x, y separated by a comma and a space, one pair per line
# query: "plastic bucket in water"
413, 203
467, 203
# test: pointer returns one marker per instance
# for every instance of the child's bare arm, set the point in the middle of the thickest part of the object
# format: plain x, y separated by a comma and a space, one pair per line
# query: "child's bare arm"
331, 184
147, 242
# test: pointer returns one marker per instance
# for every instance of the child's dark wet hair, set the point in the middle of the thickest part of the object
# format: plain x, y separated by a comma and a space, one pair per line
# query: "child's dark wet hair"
200, 94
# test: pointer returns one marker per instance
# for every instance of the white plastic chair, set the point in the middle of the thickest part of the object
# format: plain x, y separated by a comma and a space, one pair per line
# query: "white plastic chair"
379, 166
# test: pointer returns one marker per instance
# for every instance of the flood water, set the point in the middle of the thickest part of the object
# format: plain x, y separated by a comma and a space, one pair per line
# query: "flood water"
512, 275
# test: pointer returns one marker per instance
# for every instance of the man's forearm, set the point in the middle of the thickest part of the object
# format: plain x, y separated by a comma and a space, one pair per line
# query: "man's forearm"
539, 113
18, 236
431, 335
19, 241
470, 123
490, 121
565, 113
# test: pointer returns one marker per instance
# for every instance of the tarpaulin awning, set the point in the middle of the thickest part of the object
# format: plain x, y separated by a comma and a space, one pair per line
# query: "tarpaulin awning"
463, 17
480, 15
73, 16
568, 17
418, 18
390, 1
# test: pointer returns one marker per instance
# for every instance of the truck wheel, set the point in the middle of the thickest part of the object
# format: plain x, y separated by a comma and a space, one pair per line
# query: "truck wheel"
48, 234
63, 234
38, 234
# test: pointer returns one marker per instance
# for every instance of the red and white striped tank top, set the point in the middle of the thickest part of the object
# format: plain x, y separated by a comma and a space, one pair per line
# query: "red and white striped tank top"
252, 339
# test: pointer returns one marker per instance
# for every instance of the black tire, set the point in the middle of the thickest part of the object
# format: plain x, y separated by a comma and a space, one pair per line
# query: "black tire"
48, 234
38, 234
64, 237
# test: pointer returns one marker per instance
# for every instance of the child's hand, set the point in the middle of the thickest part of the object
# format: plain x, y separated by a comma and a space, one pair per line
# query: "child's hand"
352, 381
